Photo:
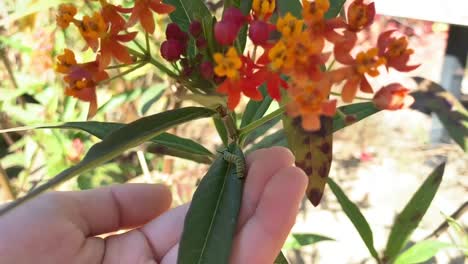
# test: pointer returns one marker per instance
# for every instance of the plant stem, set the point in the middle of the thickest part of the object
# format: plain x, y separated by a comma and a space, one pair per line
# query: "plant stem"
122, 65
260, 122
148, 48
331, 65
357, 97
124, 73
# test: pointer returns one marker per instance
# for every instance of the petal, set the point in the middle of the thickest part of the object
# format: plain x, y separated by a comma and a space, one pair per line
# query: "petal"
273, 87
161, 8
136, 13
125, 37
147, 20
120, 52
350, 90
311, 122
365, 86
233, 99
384, 41
329, 108
93, 107
105, 56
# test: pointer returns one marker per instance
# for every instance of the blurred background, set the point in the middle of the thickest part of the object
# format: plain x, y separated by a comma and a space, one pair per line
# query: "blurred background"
379, 162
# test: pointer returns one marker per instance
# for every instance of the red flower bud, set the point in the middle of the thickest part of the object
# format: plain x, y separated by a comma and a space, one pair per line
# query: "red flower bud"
195, 28
201, 43
226, 32
235, 16
393, 97
206, 70
171, 50
174, 32
259, 32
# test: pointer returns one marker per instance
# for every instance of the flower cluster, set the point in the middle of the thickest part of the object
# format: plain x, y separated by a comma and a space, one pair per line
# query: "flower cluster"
104, 32
299, 53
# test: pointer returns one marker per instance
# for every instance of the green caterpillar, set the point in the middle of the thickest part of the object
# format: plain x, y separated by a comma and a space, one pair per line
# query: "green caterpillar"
238, 161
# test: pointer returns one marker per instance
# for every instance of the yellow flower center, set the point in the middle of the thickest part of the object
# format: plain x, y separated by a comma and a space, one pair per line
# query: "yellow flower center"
65, 61
93, 27
368, 62
314, 11
399, 47
289, 26
228, 65
277, 55
263, 7
65, 15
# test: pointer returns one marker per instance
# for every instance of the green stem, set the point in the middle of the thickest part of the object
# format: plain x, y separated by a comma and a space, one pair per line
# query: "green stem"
148, 48
331, 65
357, 97
163, 68
260, 122
140, 46
124, 73
123, 65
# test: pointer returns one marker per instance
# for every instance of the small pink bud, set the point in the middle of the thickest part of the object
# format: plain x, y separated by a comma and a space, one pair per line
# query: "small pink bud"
206, 70
259, 32
226, 32
393, 97
195, 28
171, 50
234, 15
201, 43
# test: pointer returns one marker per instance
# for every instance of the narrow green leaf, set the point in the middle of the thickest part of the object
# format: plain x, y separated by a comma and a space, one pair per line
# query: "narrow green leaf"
256, 109
276, 139
292, 6
421, 252
297, 241
408, 220
356, 217
431, 97
118, 141
281, 259
103, 129
262, 130
222, 132
245, 7
352, 114
118, 100
211, 221
151, 96
335, 8
188, 11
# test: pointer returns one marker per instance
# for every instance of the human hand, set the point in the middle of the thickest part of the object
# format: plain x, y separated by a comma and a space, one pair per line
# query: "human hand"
61, 227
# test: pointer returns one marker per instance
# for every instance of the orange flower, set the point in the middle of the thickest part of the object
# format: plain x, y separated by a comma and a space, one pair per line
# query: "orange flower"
65, 15
92, 28
395, 51
142, 12
240, 77
111, 48
81, 79
310, 102
314, 12
65, 61
393, 97
360, 15
263, 9
355, 74
111, 14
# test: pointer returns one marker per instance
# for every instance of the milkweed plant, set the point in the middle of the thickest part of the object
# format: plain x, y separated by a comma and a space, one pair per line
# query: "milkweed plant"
301, 54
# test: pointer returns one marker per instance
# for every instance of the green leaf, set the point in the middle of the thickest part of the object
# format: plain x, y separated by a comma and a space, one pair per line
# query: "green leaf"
118, 141
103, 129
119, 100
421, 252
231, 3
431, 97
151, 96
222, 132
297, 241
281, 259
292, 6
356, 217
245, 7
188, 11
408, 220
262, 130
211, 221
335, 8
351, 114
256, 109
